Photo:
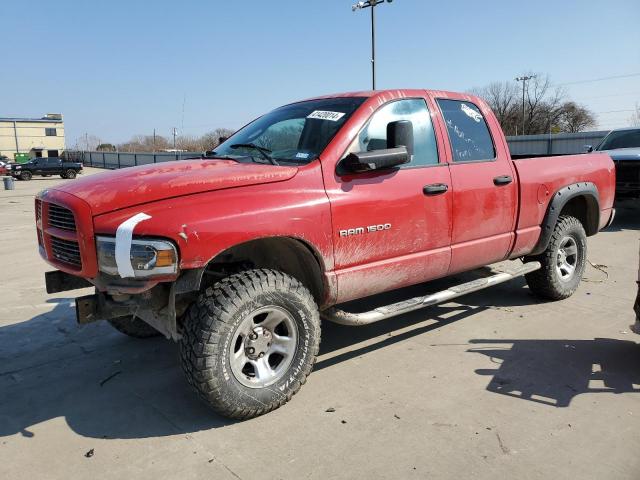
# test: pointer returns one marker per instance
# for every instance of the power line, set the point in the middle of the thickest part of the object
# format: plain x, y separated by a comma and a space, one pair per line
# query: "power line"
616, 111
610, 95
628, 75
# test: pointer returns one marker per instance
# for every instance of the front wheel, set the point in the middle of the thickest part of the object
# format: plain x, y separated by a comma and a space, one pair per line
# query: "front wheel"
563, 262
69, 174
250, 341
25, 176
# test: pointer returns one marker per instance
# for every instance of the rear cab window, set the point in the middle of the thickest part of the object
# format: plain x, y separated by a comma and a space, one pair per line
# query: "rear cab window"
468, 132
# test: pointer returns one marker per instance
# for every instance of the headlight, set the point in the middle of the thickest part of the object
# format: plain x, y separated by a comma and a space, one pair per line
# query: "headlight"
149, 258
16, 167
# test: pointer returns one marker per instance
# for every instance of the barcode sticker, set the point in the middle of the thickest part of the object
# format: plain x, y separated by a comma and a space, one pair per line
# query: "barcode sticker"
326, 115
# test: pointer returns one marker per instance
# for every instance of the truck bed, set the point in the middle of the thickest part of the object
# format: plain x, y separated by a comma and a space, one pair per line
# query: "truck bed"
540, 177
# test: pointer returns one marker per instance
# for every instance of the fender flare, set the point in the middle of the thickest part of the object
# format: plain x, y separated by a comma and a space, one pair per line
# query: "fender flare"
589, 191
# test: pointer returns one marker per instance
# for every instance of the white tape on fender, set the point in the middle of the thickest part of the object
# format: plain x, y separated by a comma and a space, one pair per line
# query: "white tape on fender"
123, 244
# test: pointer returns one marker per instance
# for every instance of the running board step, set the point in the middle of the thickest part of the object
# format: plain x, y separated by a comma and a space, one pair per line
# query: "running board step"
337, 315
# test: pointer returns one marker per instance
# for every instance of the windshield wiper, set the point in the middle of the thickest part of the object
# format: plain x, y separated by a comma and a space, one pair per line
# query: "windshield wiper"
264, 152
219, 157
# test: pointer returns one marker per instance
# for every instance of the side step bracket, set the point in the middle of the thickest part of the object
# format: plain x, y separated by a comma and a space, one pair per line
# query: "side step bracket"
342, 317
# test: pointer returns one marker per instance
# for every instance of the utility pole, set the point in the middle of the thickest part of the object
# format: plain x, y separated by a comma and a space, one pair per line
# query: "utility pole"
524, 79
175, 132
154, 140
371, 4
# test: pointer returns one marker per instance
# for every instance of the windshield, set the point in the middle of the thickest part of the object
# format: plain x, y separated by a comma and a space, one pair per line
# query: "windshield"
296, 133
620, 139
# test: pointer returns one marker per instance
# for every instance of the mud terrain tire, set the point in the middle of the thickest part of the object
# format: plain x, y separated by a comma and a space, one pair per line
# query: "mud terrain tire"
563, 261
250, 341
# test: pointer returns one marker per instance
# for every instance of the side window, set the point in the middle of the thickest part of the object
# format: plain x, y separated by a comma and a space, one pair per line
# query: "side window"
468, 132
374, 135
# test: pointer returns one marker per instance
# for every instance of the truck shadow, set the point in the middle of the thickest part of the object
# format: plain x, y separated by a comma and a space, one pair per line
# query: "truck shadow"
553, 372
106, 385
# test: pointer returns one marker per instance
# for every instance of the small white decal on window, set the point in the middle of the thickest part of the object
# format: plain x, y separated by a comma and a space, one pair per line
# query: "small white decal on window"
302, 155
326, 115
470, 112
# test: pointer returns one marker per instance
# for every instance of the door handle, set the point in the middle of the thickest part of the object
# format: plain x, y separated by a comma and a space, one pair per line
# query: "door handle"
502, 180
435, 189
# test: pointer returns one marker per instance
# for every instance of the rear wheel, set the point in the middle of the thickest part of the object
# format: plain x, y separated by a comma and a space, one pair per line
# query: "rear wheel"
25, 176
563, 261
133, 327
250, 341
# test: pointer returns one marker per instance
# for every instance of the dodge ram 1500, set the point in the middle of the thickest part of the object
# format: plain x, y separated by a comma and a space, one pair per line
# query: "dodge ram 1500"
238, 255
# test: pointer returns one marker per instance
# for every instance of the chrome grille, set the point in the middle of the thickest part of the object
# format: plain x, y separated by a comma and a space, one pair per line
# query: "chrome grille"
66, 251
61, 217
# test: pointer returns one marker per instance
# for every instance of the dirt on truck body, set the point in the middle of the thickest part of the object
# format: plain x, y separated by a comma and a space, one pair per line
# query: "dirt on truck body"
238, 256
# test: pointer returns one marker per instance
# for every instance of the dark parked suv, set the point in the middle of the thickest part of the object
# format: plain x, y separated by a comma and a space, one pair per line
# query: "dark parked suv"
46, 166
623, 146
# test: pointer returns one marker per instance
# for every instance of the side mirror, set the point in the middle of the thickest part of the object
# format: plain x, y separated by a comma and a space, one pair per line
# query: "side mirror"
400, 134
398, 152
375, 160
588, 148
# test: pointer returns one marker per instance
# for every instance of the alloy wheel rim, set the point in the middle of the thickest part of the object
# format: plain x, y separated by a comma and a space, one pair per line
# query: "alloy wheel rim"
263, 347
567, 258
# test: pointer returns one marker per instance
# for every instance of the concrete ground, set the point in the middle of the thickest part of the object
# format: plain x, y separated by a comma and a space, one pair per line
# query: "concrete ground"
499, 385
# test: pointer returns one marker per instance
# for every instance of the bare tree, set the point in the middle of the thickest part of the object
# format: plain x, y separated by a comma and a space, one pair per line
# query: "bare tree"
87, 142
503, 98
211, 139
106, 147
575, 118
145, 143
543, 104
546, 108
190, 143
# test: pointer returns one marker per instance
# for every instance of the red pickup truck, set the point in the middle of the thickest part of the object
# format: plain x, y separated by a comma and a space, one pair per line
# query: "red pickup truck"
238, 255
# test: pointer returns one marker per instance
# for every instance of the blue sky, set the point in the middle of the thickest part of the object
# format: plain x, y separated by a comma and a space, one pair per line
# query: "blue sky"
118, 68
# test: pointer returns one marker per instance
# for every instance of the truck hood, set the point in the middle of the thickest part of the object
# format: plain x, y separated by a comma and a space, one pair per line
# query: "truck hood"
623, 153
128, 187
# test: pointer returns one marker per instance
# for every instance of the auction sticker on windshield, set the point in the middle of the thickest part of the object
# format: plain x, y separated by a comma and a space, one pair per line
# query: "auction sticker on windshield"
326, 115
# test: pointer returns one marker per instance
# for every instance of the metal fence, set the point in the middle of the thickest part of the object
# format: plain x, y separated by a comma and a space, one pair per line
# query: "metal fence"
519, 146
556, 144
114, 160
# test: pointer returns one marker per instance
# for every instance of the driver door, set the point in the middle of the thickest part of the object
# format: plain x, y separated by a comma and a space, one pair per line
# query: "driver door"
391, 228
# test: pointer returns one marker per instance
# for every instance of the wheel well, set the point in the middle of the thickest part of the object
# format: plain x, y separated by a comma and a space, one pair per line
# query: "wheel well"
580, 200
585, 209
291, 256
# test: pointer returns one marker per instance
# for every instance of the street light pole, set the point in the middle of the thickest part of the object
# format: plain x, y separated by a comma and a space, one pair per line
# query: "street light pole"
371, 4
524, 80
373, 46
